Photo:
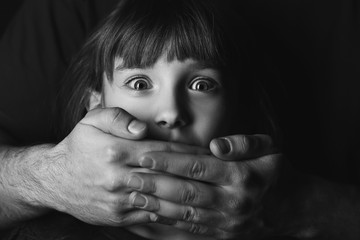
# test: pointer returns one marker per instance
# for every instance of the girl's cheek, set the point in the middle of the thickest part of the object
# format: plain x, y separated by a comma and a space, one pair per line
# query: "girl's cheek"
211, 126
137, 107
139, 110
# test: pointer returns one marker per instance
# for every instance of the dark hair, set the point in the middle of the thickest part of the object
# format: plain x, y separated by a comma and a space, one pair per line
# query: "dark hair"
141, 31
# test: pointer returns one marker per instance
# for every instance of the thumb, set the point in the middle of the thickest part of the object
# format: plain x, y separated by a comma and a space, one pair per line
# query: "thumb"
116, 121
242, 147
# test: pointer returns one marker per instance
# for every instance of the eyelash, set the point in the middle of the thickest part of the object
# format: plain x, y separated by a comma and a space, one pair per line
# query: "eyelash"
135, 80
211, 84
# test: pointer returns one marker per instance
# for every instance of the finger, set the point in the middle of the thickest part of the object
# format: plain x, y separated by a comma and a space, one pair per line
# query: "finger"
143, 147
181, 191
197, 167
115, 121
204, 230
242, 147
137, 216
130, 217
176, 212
172, 147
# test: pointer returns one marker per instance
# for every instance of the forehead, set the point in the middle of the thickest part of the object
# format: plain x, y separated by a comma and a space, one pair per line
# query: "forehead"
165, 62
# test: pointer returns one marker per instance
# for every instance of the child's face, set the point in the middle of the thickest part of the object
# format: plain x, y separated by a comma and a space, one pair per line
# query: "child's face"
180, 101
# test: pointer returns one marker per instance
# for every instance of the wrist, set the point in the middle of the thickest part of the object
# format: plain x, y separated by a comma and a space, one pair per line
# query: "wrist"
43, 172
24, 174
20, 188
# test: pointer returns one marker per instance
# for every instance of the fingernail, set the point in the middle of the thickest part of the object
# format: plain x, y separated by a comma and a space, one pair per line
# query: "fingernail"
136, 126
224, 145
135, 182
140, 201
146, 162
162, 220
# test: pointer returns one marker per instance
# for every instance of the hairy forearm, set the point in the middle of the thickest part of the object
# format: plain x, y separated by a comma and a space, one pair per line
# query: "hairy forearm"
21, 191
314, 208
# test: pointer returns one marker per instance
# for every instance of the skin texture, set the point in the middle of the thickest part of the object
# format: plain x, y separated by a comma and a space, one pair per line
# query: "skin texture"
182, 101
209, 202
85, 175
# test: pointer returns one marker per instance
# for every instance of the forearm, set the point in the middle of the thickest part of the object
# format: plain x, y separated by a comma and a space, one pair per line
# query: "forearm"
21, 190
315, 208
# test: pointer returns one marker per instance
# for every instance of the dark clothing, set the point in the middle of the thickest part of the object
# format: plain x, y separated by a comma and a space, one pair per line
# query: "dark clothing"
312, 73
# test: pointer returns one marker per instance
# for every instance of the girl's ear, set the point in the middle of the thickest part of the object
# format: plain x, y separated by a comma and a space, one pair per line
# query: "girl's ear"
94, 100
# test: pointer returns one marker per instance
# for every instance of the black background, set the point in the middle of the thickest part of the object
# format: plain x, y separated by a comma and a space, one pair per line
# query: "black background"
7, 10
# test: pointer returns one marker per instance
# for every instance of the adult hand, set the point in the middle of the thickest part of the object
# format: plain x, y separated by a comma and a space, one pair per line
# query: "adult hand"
86, 174
219, 196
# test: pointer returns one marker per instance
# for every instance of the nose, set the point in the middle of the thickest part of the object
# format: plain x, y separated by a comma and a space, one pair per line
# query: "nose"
172, 112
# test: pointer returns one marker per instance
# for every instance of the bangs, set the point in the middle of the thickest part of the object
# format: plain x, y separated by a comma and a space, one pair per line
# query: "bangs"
141, 31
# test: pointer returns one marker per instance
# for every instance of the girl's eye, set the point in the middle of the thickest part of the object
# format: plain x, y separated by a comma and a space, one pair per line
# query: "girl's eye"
139, 84
202, 85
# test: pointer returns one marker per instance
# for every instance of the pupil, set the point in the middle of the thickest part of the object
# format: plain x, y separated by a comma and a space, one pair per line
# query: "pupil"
202, 86
140, 85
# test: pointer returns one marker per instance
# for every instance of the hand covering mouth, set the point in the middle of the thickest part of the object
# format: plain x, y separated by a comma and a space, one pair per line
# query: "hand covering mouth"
175, 136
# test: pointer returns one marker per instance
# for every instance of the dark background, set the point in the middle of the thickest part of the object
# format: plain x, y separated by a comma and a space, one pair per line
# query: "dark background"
7, 10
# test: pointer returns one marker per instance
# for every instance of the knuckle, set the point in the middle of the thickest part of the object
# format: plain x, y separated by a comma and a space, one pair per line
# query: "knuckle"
113, 182
150, 185
155, 161
161, 163
242, 175
190, 214
188, 195
116, 114
153, 187
111, 153
242, 205
244, 144
197, 229
234, 203
196, 169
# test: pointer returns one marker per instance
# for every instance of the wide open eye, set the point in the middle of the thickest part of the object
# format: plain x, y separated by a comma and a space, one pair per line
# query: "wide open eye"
139, 84
203, 85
